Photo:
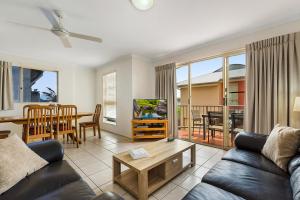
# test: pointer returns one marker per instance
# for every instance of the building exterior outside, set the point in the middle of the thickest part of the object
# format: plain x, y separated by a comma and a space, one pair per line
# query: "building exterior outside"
207, 89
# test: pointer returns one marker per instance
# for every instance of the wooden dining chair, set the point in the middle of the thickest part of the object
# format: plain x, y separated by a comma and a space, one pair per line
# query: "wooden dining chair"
64, 122
25, 109
54, 108
39, 123
93, 124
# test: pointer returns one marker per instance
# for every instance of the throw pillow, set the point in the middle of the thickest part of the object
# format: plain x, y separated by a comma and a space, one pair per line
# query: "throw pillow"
281, 145
16, 162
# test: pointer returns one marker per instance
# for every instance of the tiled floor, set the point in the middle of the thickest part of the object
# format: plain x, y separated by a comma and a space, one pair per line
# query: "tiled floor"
93, 161
197, 137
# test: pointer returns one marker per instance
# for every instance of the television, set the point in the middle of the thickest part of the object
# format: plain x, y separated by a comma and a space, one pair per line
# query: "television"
149, 108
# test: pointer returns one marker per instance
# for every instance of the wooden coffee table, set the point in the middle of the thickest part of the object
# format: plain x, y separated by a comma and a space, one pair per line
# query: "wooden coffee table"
146, 175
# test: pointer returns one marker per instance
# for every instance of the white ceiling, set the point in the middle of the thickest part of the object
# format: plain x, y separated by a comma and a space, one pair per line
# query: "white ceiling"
170, 26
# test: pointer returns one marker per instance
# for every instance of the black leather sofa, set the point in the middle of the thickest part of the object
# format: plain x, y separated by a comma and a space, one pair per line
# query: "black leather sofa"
244, 173
56, 181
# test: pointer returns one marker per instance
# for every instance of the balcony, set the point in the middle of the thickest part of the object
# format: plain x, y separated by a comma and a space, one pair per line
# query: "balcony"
200, 122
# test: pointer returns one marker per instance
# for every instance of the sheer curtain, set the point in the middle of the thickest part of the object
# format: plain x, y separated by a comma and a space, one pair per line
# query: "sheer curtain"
110, 96
165, 88
273, 82
6, 87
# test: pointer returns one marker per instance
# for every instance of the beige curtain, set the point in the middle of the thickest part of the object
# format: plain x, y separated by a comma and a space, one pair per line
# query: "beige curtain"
6, 88
165, 88
273, 82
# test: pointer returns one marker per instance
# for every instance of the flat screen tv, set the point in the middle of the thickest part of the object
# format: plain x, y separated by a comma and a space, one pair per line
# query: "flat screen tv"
149, 108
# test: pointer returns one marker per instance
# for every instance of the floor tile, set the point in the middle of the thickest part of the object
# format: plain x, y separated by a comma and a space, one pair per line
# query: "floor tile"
191, 170
161, 193
200, 160
190, 182
211, 162
97, 191
111, 187
93, 161
205, 154
180, 178
201, 171
89, 160
90, 183
176, 194
128, 196
94, 168
102, 177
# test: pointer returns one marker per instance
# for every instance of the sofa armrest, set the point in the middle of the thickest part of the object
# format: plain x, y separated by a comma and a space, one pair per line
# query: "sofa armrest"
250, 141
50, 150
108, 196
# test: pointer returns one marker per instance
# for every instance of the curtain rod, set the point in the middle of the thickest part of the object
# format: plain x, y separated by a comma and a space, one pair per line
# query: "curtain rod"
227, 53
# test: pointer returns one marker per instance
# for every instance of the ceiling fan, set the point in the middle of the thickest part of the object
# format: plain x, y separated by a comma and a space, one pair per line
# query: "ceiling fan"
56, 18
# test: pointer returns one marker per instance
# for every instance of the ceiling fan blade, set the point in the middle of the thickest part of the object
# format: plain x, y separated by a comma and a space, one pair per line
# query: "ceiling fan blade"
65, 42
50, 16
85, 37
29, 26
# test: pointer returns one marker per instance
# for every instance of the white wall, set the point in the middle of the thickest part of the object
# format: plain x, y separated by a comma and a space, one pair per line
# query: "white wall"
122, 67
143, 78
135, 79
75, 86
227, 44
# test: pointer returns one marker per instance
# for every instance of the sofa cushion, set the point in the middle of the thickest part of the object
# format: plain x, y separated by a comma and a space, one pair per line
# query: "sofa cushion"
294, 164
250, 141
281, 145
205, 191
253, 159
249, 182
16, 162
43, 181
295, 183
77, 190
50, 150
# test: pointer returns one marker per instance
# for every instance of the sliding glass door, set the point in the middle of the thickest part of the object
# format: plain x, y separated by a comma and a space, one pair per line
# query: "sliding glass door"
236, 94
183, 106
210, 95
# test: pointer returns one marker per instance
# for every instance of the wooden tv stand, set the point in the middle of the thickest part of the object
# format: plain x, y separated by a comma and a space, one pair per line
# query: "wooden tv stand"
149, 128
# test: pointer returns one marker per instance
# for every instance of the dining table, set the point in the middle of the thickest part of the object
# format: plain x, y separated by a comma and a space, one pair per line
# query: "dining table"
22, 120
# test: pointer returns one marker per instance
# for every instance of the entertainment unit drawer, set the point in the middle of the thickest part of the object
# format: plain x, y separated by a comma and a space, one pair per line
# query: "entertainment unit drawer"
174, 165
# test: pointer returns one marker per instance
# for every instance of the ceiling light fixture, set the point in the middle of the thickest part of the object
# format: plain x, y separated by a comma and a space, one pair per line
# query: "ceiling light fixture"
142, 4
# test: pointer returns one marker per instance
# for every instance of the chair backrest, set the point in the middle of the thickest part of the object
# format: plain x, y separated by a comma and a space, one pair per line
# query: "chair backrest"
196, 114
237, 120
64, 118
39, 121
96, 116
215, 118
54, 108
25, 108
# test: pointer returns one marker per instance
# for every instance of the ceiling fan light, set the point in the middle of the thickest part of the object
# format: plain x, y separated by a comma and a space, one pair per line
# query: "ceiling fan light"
142, 4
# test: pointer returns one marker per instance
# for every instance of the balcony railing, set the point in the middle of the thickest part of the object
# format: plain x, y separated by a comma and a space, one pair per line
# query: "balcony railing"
182, 112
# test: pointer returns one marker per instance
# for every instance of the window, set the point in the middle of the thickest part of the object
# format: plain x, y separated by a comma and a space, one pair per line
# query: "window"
16, 73
109, 98
31, 85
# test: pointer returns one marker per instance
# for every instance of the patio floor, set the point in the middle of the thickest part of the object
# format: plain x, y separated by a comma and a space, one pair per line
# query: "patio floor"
197, 137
